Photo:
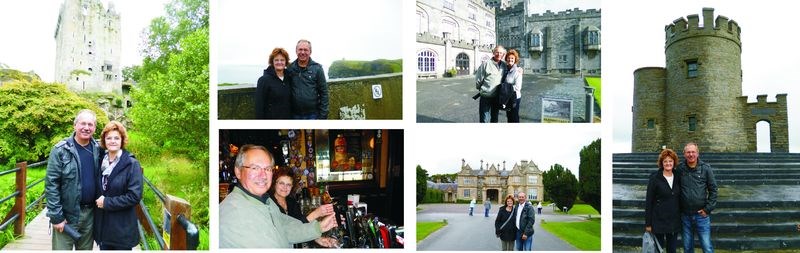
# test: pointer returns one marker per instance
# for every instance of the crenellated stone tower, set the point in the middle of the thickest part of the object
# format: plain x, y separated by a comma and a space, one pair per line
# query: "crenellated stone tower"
88, 47
698, 96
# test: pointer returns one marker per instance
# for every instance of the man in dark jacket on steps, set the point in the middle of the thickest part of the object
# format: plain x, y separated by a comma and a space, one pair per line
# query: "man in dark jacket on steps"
698, 199
309, 88
525, 220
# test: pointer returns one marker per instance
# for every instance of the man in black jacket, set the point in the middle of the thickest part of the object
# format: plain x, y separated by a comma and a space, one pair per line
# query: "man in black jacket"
69, 184
698, 199
309, 88
525, 220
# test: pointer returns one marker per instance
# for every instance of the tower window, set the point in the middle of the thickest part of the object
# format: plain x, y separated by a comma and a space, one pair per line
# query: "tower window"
651, 123
692, 123
691, 68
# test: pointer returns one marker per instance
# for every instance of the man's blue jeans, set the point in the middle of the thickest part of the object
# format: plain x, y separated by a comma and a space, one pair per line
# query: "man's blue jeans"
486, 213
470, 211
305, 116
696, 224
521, 245
487, 110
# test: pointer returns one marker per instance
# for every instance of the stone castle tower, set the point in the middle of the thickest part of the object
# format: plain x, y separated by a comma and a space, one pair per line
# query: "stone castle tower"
88, 47
698, 96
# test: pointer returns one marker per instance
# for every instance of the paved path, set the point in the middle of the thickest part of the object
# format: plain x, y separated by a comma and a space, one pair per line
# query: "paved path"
464, 232
450, 99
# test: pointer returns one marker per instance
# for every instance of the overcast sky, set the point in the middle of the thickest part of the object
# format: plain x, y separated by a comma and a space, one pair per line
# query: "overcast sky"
246, 31
633, 37
28, 29
439, 148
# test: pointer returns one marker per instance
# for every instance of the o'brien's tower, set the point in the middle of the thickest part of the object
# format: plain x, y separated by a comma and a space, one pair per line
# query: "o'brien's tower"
698, 96
88, 47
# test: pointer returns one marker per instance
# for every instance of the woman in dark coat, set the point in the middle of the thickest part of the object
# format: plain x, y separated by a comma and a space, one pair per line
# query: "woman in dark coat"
273, 94
505, 226
662, 211
120, 190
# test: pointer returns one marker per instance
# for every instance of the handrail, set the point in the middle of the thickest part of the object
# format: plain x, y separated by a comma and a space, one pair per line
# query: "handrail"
16, 193
37, 201
9, 171
156, 191
142, 237
152, 225
192, 234
9, 221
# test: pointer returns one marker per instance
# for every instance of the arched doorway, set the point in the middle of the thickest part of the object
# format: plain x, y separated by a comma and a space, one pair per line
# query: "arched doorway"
492, 195
462, 64
763, 137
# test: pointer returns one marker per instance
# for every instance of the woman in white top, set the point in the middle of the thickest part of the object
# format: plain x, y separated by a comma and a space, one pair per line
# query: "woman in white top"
514, 77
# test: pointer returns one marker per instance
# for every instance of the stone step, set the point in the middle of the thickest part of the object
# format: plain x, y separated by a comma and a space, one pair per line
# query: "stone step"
721, 182
720, 227
732, 204
721, 175
716, 166
649, 170
726, 242
705, 156
722, 215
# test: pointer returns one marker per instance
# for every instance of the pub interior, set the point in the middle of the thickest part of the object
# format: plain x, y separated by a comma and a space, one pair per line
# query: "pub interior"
359, 171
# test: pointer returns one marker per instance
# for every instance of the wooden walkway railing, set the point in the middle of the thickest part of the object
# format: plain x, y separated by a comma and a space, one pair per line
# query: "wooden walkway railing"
36, 235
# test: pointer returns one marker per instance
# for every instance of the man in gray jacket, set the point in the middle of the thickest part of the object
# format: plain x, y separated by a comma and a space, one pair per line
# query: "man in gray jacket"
309, 88
487, 77
698, 199
70, 184
525, 220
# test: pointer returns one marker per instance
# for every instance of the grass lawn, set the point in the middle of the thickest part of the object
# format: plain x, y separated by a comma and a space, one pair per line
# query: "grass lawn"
583, 235
594, 82
582, 209
425, 228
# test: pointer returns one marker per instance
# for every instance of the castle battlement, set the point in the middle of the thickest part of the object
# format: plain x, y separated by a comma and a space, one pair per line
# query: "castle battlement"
567, 14
780, 99
682, 28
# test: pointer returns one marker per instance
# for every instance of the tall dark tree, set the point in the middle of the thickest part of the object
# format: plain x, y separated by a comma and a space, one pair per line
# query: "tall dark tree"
422, 183
589, 171
561, 186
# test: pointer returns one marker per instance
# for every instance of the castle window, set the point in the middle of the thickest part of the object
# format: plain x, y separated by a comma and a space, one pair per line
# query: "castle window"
594, 38
562, 58
489, 21
536, 40
533, 194
466, 193
516, 180
692, 123
426, 61
691, 68
473, 12
90, 69
651, 123
533, 179
109, 77
448, 4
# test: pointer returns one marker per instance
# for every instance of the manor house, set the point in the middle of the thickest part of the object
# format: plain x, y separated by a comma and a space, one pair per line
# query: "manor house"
493, 182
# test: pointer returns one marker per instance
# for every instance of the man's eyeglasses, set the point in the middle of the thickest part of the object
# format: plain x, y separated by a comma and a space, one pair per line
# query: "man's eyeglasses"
267, 169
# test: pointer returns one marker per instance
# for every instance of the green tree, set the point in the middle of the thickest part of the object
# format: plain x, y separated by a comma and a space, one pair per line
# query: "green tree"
560, 185
35, 115
171, 99
422, 184
589, 171
443, 178
131, 73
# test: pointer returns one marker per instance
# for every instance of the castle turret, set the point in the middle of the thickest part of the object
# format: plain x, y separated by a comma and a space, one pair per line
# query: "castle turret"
648, 104
704, 79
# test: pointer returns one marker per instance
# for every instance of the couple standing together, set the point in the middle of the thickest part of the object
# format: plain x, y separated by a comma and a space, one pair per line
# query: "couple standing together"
681, 199
500, 84
514, 223
296, 91
92, 188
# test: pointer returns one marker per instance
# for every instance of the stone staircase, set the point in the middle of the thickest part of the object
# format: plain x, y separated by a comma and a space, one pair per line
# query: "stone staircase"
758, 207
